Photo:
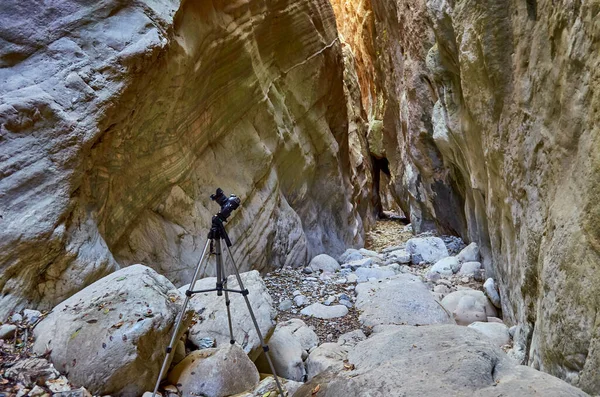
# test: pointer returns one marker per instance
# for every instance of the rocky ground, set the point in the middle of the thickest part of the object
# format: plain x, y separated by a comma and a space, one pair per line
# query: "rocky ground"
335, 322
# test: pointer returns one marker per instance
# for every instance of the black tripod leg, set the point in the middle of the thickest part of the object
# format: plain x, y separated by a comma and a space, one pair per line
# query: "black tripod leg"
180, 319
265, 347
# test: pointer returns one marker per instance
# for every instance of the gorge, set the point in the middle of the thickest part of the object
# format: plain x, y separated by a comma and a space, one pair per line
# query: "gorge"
477, 119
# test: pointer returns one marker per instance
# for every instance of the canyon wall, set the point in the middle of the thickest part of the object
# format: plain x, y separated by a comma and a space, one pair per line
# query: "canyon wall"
490, 125
119, 119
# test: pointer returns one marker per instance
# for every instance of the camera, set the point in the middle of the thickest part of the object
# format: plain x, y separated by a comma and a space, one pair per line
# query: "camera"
228, 204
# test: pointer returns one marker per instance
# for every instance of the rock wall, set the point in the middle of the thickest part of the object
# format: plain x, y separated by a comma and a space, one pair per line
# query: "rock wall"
119, 119
491, 129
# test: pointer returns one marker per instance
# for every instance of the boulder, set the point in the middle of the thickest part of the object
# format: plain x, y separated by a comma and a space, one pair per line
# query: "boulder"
429, 249
489, 287
446, 266
324, 263
307, 337
401, 256
401, 299
215, 372
111, 336
319, 310
468, 306
497, 333
286, 353
469, 254
268, 387
469, 269
212, 313
369, 253
442, 360
350, 255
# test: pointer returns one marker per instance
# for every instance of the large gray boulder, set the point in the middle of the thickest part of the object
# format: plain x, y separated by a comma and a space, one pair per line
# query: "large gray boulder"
111, 336
212, 313
324, 263
350, 255
402, 299
307, 337
215, 372
433, 361
430, 249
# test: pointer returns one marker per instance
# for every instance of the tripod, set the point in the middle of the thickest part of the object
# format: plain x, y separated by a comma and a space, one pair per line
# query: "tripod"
215, 236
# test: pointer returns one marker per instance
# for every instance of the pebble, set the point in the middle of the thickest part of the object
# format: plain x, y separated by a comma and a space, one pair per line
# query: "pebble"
300, 300
31, 316
307, 270
16, 318
285, 305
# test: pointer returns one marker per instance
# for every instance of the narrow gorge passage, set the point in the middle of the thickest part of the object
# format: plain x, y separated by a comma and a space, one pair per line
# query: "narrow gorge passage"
418, 183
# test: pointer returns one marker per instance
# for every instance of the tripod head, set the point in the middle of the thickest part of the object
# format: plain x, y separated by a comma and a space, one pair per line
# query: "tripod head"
228, 204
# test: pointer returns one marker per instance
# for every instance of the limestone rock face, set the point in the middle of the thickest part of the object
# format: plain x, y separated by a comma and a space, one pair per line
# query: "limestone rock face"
119, 119
490, 129
111, 336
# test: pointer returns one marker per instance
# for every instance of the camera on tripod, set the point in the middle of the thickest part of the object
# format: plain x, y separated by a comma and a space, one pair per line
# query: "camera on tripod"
228, 204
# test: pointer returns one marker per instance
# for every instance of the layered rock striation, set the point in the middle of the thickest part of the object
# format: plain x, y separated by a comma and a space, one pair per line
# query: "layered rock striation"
118, 120
490, 128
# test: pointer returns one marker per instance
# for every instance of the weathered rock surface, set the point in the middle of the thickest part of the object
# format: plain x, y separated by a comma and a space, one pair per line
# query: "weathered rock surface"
497, 333
446, 267
119, 119
402, 299
442, 360
468, 306
490, 130
110, 337
215, 372
213, 322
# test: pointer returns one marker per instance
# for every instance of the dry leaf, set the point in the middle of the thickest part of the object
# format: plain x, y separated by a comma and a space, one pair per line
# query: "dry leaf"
118, 325
316, 389
349, 367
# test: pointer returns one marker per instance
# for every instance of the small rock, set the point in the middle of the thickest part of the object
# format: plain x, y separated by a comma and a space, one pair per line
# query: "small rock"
346, 303
329, 301
492, 319
446, 266
365, 274
401, 256
366, 262
7, 331
296, 292
31, 316
325, 263
492, 292
350, 255
351, 279
441, 289
300, 300
469, 254
16, 318
311, 279
58, 385
464, 280
307, 270
36, 391
285, 305
324, 312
